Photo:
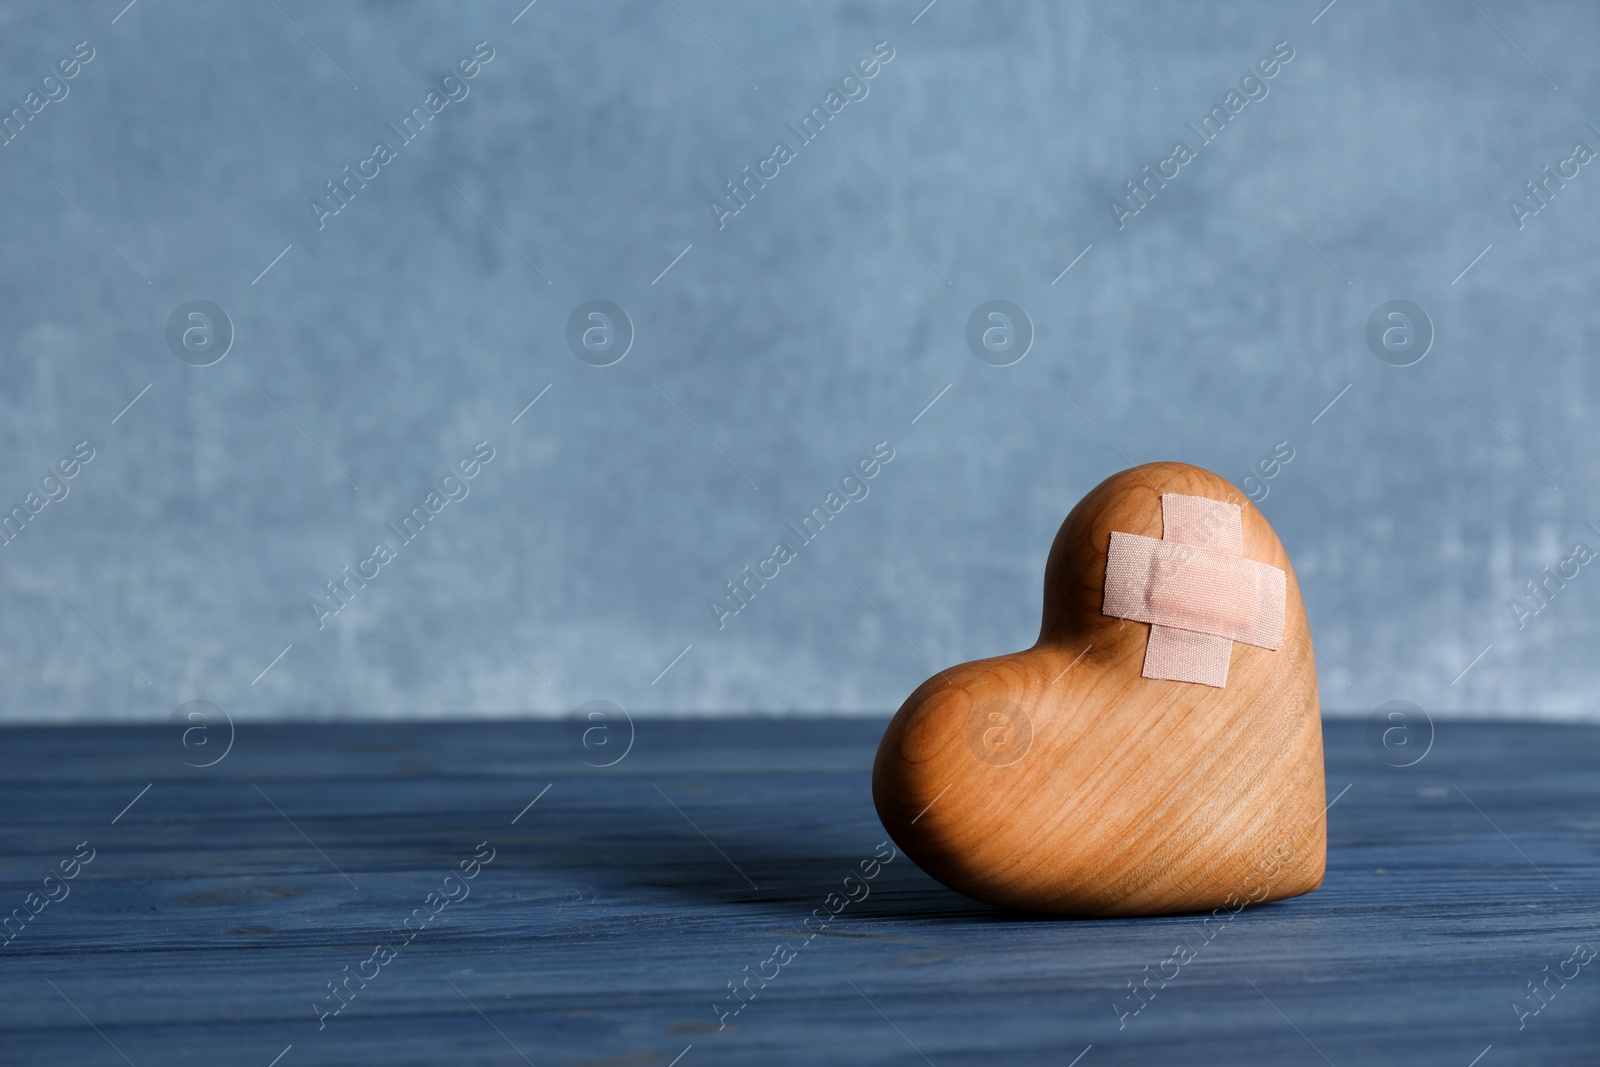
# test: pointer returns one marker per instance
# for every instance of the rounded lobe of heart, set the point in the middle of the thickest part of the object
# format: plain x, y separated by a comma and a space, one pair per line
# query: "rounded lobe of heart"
1059, 779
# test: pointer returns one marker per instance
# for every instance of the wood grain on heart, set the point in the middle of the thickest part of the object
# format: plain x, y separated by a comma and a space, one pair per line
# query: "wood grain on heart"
1061, 779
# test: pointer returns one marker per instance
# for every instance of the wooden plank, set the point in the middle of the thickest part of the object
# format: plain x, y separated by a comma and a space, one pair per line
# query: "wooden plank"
619, 906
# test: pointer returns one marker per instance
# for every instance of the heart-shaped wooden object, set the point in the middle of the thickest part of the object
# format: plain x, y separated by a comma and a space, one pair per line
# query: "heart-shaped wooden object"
1060, 779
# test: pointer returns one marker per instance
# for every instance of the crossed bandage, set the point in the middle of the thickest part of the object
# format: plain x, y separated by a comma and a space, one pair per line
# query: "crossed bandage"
1196, 589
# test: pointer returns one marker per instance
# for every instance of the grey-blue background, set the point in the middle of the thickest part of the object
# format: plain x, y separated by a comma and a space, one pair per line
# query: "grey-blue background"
822, 320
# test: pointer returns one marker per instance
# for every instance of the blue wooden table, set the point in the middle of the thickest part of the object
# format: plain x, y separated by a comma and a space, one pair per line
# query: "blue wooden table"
482, 894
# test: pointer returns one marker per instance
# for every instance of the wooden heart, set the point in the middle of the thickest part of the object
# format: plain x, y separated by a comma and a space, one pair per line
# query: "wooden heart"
1060, 779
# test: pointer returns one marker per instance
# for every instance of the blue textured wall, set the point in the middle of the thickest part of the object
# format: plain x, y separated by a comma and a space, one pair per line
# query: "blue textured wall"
582, 158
